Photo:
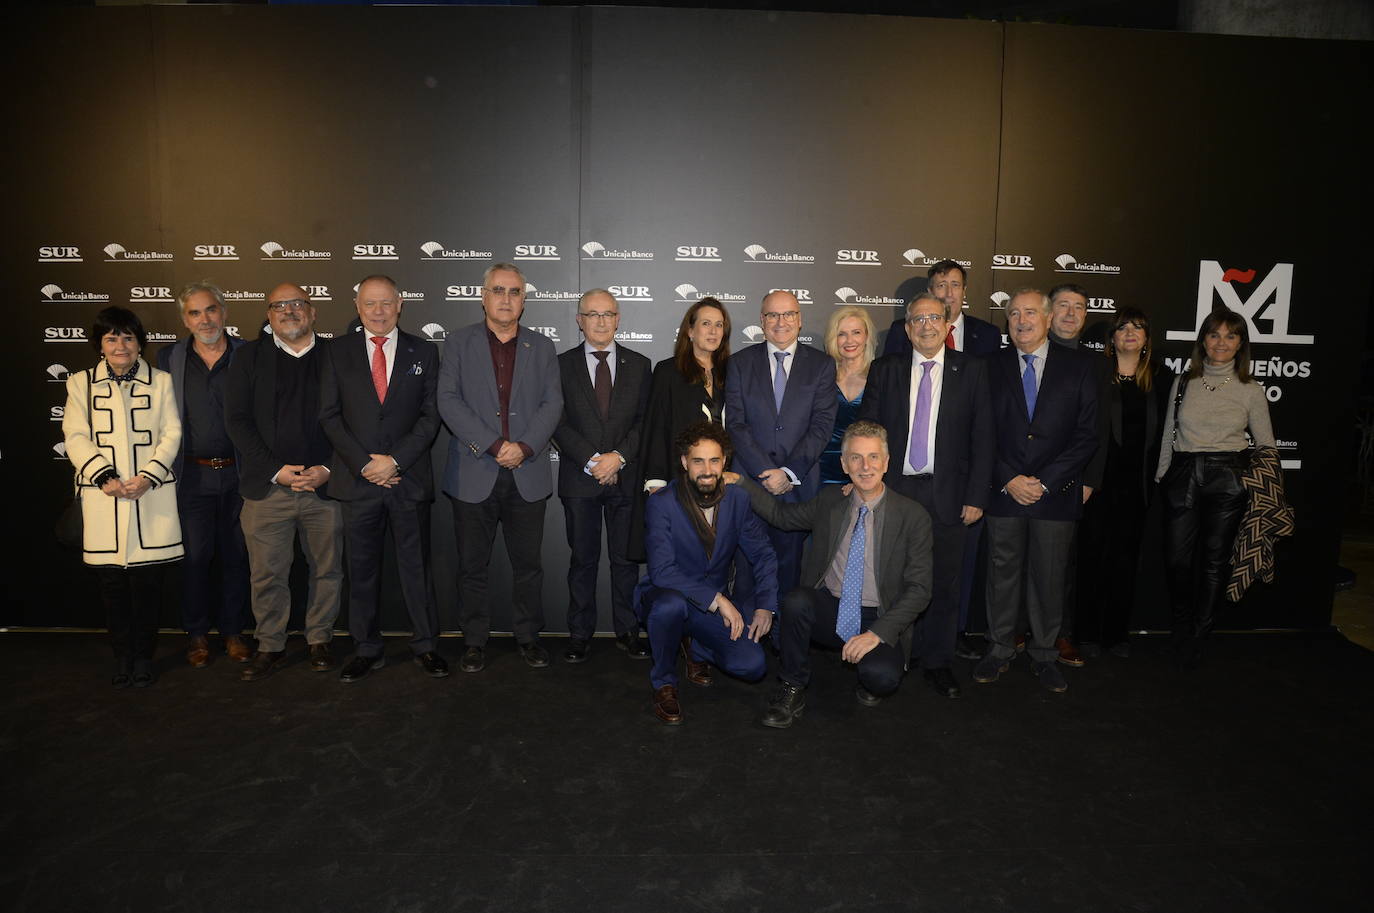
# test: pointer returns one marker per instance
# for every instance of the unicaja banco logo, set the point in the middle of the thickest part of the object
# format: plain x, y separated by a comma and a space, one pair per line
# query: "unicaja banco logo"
117, 253
847, 295
1265, 308
59, 451
753, 332
595, 250
844, 294
434, 332
1067, 264
57, 374
271, 250
433, 250
757, 253
999, 300
687, 293
55, 293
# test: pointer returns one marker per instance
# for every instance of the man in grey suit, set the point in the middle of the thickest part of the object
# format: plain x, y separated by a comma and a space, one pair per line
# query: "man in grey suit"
865, 578
500, 396
605, 394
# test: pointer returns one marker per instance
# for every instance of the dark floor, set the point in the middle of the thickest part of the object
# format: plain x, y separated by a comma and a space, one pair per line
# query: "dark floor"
1244, 786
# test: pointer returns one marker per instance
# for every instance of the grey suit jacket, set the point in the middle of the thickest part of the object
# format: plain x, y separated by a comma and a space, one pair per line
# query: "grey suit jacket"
903, 566
471, 408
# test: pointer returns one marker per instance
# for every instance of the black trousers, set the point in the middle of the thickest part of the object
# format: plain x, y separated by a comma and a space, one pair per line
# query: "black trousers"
809, 615
1109, 538
1204, 502
583, 518
522, 526
209, 505
936, 628
365, 523
132, 597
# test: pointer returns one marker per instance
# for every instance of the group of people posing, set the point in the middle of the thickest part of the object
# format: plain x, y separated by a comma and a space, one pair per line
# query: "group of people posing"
783, 493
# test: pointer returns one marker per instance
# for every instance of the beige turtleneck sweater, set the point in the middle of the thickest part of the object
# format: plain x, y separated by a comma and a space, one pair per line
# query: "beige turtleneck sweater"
1215, 420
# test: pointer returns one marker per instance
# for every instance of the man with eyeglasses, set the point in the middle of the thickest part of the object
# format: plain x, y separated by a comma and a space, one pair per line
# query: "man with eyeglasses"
934, 404
501, 398
605, 394
208, 498
948, 282
273, 416
378, 409
780, 408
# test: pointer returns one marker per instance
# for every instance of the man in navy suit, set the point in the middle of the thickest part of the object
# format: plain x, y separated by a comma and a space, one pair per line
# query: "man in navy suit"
693, 528
934, 405
605, 394
965, 332
780, 407
1044, 402
378, 410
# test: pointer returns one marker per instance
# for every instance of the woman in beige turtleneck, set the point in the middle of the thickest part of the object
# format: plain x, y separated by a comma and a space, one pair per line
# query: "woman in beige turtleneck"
1204, 452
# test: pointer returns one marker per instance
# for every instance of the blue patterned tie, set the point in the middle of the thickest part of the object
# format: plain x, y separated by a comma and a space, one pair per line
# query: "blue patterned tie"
852, 590
779, 381
1028, 384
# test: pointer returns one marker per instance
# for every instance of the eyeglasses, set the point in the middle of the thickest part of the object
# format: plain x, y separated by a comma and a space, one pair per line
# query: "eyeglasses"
924, 318
295, 304
598, 315
781, 316
499, 291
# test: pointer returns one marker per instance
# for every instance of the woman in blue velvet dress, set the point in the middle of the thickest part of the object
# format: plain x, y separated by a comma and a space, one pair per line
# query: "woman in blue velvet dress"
851, 340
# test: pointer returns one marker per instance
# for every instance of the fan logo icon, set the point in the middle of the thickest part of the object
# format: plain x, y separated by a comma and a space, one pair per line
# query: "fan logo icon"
847, 295
757, 253
271, 250
118, 253
54, 293
687, 293
1066, 263
434, 332
595, 250
433, 250
999, 300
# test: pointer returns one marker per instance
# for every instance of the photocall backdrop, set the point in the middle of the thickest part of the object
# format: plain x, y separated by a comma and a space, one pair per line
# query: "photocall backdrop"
667, 155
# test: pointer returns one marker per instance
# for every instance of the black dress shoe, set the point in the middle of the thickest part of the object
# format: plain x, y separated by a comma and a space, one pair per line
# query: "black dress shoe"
942, 681
357, 668
320, 658
966, 646
785, 705
143, 673
123, 674
474, 659
633, 645
576, 652
261, 665
534, 654
433, 664
866, 697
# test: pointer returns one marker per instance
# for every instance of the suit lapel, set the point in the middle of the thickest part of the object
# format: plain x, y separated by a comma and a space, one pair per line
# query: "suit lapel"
951, 386
765, 376
1015, 365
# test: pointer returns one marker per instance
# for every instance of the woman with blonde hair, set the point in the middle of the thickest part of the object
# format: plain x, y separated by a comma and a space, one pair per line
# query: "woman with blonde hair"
851, 340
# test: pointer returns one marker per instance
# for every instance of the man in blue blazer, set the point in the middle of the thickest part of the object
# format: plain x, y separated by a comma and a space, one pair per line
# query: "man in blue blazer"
965, 333
377, 409
501, 397
1044, 404
780, 408
693, 528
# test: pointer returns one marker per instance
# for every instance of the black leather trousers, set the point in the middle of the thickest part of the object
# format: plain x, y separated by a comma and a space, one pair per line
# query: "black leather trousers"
1204, 502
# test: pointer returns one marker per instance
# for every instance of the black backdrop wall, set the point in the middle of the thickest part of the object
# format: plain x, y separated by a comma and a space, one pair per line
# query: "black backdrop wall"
669, 154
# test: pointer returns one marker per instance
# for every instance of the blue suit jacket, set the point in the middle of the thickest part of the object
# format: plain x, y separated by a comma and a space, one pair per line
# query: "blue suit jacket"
980, 337
677, 560
172, 359
1056, 444
765, 438
471, 408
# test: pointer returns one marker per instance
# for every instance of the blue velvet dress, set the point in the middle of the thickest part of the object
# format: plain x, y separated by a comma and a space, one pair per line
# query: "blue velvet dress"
832, 471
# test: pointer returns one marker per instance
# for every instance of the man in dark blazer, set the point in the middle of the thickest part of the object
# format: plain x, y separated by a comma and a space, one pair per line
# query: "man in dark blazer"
1044, 402
693, 528
377, 407
865, 578
501, 397
272, 411
780, 409
605, 394
208, 500
934, 404
965, 333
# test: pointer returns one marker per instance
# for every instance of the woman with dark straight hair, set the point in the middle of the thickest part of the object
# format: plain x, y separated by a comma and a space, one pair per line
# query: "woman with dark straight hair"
1217, 412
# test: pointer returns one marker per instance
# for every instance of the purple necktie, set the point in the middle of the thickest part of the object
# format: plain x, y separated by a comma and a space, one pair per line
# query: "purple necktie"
920, 425
779, 381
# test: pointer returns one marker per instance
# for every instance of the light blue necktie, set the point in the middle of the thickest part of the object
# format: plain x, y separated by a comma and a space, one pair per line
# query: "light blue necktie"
852, 590
1028, 384
779, 381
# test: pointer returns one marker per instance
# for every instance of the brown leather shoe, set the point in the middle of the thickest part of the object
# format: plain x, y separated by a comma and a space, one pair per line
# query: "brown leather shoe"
262, 665
1068, 653
237, 648
698, 673
198, 653
666, 707
320, 658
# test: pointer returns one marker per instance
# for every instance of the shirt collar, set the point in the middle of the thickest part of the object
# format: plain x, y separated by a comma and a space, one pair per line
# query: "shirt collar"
1039, 353
790, 350
858, 500
589, 349
917, 358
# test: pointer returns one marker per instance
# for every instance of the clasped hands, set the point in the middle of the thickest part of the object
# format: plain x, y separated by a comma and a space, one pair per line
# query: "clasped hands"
131, 490
382, 470
300, 478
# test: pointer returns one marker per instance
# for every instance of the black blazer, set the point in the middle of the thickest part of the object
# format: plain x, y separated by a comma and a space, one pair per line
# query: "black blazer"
980, 337
963, 431
1057, 444
357, 425
674, 404
581, 432
1156, 407
250, 413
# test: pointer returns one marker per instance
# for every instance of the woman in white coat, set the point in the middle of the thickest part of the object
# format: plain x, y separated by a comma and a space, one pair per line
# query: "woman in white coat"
122, 433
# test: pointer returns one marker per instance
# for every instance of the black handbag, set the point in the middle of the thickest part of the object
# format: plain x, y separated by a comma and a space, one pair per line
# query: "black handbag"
70, 525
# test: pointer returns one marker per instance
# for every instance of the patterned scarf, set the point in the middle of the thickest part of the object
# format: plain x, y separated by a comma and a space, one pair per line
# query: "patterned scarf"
121, 378
695, 504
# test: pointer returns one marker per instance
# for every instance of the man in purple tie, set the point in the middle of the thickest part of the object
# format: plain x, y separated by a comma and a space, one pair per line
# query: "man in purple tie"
934, 404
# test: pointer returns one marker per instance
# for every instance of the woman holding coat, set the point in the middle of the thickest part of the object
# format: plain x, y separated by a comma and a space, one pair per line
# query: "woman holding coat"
122, 432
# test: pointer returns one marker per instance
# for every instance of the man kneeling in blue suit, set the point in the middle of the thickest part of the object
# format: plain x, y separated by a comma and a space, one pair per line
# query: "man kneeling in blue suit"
692, 528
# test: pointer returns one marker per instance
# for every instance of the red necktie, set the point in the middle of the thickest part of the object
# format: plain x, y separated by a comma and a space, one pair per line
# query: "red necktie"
379, 368
949, 339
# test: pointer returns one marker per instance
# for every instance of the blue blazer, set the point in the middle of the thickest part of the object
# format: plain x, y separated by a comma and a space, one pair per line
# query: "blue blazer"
471, 408
980, 337
677, 560
1056, 444
765, 438
172, 359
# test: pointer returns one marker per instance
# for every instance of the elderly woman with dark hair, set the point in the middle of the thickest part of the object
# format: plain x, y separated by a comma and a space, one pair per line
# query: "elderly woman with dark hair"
1216, 411
122, 434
